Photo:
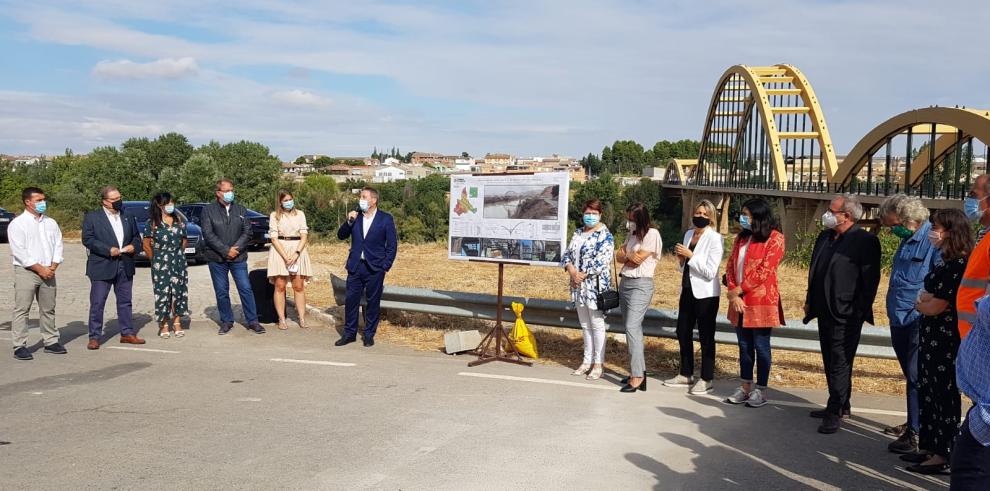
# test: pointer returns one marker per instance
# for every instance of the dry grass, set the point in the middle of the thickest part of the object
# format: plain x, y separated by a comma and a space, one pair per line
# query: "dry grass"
427, 266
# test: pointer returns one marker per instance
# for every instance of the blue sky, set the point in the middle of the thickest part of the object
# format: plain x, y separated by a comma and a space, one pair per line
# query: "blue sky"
527, 78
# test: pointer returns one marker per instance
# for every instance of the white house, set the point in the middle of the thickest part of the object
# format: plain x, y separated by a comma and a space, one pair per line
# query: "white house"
391, 161
389, 174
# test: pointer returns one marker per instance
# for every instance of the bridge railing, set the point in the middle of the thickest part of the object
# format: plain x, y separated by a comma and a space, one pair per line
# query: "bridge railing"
874, 342
926, 190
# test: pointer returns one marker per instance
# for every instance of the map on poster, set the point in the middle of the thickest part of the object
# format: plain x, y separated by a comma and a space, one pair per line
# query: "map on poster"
509, 218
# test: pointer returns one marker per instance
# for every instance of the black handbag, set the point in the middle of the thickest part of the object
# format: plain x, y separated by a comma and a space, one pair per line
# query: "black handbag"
608, 298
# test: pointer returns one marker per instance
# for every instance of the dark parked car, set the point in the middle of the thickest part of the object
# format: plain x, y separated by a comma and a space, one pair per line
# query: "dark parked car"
141, 210
259, 223
5, 218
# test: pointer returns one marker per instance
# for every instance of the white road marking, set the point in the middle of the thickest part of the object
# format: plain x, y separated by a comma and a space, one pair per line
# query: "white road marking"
855, 410
537, 380
152, 350
314, 362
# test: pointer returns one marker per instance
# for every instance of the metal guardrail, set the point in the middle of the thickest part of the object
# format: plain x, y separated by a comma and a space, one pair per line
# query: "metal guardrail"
874, 342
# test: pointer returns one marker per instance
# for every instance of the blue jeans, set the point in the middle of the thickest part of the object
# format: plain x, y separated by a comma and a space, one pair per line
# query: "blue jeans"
221, 287
754, 343
905, 342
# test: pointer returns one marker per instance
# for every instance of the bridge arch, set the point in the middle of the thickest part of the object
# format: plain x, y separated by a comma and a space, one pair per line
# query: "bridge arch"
765, 129
951, 128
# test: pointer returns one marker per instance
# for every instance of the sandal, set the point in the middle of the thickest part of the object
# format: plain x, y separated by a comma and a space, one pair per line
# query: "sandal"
282, 325
302, 323
163, 331
177, 327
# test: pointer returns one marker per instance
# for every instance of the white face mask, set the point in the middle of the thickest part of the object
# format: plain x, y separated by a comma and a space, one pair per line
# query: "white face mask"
829, 220
630, 226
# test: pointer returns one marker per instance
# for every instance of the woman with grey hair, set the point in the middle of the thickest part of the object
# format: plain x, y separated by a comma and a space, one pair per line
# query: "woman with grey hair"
908, 218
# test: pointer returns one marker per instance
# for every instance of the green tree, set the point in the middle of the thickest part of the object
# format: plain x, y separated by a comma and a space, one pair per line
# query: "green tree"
253, 169
197, 179
323, 162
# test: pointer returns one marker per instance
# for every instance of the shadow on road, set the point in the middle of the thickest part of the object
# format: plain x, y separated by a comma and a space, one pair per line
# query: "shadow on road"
777, 450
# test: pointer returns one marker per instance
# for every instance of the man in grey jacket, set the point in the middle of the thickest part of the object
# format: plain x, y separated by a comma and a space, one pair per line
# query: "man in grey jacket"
226, 231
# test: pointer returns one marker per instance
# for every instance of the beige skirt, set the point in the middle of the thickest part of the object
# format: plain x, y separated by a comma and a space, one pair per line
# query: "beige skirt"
276, 265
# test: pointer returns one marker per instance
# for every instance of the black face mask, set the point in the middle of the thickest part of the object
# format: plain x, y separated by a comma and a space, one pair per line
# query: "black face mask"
117, 205
700, 222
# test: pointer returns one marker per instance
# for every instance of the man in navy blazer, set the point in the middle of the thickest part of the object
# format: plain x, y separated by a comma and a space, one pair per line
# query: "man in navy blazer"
373, 248
111, 239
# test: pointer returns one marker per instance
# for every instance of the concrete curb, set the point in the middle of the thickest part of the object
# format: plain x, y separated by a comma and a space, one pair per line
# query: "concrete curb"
314, 311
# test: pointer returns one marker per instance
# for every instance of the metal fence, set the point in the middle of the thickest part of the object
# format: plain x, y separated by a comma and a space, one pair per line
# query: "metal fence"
874, 343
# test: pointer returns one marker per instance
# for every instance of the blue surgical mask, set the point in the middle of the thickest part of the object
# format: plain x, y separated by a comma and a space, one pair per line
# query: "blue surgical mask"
40, 207
591, 219
971, 206
744, 222
228, 197
363, 204
169, 209
288, 204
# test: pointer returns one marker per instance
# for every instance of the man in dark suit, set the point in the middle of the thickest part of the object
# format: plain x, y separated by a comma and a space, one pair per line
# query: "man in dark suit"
111, 238
226, 232
373, 248
842, 284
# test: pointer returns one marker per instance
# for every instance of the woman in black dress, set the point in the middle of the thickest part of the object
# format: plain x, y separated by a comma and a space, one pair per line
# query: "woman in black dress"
939, 342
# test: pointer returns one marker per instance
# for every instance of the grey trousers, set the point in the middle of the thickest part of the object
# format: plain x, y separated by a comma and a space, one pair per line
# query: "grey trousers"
635, 295
27, 287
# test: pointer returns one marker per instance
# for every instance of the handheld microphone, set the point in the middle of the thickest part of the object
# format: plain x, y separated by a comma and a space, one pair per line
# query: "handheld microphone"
357, 209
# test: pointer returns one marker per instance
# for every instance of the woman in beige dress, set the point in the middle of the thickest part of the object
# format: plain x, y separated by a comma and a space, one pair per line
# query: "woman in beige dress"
288, 259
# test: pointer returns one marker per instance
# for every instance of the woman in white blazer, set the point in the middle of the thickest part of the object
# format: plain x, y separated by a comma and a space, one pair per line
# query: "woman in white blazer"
699, 257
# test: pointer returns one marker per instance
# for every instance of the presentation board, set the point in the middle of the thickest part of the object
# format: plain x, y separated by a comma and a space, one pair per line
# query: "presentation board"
509, 217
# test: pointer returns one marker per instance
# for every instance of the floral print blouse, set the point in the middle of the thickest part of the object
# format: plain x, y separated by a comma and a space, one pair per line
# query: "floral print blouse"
591, 253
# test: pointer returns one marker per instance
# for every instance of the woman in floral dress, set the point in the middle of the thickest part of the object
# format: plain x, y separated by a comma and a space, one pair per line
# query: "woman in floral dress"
588, 261
939, 342
165, 246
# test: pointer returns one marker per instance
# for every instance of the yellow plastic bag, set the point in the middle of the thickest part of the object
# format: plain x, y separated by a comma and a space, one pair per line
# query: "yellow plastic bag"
520, 336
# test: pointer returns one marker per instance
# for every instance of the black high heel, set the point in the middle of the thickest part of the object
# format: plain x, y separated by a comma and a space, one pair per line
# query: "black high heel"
629, 388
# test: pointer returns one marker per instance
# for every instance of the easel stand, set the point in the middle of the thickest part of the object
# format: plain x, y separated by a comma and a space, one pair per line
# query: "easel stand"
504, 350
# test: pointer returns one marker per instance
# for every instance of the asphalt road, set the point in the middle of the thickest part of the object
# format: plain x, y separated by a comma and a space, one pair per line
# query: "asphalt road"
287, 410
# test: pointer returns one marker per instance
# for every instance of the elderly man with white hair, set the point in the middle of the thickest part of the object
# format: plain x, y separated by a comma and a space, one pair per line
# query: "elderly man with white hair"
908, 218
842, 284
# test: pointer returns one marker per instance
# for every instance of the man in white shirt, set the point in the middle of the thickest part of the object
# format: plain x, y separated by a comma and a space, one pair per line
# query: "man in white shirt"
36, 251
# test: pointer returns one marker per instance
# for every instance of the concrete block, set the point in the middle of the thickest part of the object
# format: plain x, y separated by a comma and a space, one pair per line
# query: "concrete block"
458, 341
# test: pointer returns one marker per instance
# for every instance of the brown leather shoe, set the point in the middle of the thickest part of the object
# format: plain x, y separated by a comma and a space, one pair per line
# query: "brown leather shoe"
131, 340
93, 344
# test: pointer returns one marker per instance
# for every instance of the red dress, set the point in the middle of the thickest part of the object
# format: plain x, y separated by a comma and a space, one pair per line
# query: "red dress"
759, 285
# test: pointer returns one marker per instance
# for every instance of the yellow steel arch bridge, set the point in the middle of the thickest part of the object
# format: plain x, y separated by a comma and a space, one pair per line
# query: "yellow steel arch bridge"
765, 134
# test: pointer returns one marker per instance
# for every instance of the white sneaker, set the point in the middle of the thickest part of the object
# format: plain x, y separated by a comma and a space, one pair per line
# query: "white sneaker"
581, 370
757, 398
738, 397
701, 387
679, 381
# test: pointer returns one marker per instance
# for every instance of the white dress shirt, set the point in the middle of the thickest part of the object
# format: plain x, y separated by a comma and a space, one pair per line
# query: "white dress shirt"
34, 240
366, 225
117, 224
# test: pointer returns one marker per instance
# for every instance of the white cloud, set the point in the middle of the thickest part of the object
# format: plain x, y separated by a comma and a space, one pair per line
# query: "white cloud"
169, 68
302, 98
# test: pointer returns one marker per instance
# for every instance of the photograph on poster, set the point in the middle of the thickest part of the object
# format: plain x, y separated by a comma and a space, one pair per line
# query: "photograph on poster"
508, 249
526, 202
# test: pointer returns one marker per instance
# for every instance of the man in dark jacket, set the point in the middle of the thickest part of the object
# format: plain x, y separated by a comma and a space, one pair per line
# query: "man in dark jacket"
226, 231
842, 284
373, 249
111, 238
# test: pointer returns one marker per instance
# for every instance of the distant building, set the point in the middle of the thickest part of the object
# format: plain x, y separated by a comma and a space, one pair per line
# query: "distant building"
389, 174
391, 161
499, 159
423, 158
291, 168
